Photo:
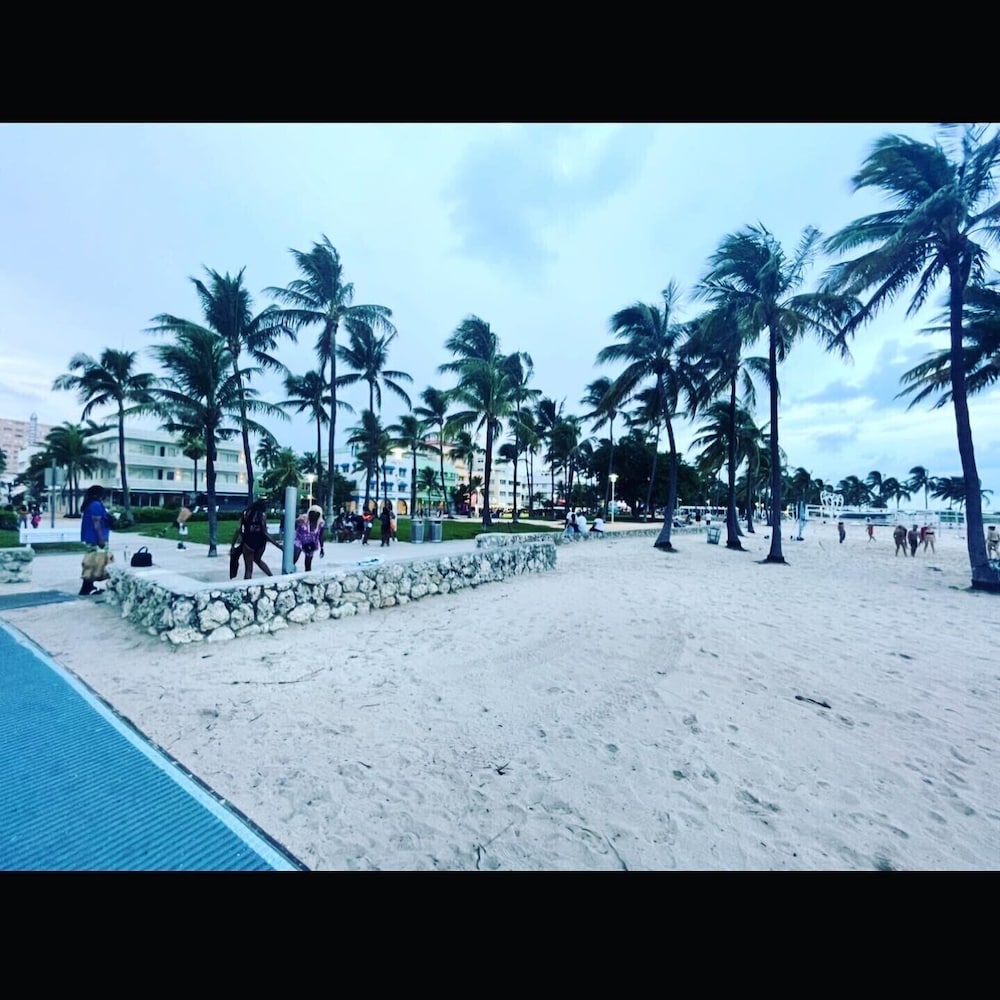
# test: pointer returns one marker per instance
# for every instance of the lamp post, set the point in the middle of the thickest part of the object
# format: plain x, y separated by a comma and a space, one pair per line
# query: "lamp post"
310, 478
614, 479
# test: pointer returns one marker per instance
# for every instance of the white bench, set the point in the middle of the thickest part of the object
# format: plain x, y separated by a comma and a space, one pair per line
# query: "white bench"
39, 535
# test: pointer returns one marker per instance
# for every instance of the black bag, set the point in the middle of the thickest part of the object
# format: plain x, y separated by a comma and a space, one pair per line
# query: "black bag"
142, 557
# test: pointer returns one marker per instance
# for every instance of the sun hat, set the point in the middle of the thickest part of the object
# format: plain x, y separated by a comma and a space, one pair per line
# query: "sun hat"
315, 508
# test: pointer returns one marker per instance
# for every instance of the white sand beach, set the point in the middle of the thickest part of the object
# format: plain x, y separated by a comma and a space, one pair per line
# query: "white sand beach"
632, 710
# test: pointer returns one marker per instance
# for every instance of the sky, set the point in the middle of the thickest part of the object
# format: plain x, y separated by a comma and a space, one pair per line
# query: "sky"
542, 230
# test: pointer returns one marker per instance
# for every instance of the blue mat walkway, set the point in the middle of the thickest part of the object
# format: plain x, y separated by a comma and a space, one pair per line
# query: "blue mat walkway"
82, 790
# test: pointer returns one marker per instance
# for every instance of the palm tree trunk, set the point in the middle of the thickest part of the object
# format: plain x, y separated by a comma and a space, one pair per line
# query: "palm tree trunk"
126, 497
663, 539
750, 530
330, 337
611, 466
444, 494
772, 371
319, 456
487, 472
213, 517
984, 575
732, 525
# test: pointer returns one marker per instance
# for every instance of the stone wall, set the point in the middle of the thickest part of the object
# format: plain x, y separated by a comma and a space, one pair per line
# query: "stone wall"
15, 565
181, 610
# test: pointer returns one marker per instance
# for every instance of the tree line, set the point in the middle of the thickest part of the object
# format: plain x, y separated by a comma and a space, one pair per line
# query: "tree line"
758, 303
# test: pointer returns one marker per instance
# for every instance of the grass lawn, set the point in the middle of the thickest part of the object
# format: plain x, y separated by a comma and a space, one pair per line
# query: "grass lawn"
451, 530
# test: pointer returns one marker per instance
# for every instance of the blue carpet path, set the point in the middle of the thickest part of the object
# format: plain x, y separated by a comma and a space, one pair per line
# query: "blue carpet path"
82, 790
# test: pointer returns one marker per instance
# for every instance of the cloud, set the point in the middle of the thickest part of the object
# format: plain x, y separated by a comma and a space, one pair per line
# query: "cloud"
509, 189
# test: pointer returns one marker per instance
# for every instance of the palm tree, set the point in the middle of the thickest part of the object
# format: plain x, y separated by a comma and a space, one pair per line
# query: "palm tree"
111, 380
268, 451
893, 489
307, 394
855, 492
548, 413
752, 447
365, 436
408, 434
464, 449
953, 489
322, 297
564, 438
650, 341
721, 446
603, 410
434, 413
758, 282
228, 310
521, 369
427, 483
716, 350
876, 485
285, 471
193, 447
527, 434
201, 396
485, 386
68, 447
943, 221
366, 356
920, 479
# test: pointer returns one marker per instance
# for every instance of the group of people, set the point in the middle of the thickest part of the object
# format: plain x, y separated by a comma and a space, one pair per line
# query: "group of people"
913, 538
310, 534
24, 513
903, 538
252, 537
576, 524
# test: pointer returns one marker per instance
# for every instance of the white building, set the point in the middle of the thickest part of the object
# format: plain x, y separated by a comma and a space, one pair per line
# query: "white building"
159, 474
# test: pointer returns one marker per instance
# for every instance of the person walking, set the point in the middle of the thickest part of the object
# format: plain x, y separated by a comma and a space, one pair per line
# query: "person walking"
841, 531
95, 533
993, 542
899, 537
929, 537
385, 521
310, 532
870, 528
181, 524
22, 516
913, 537
253, 539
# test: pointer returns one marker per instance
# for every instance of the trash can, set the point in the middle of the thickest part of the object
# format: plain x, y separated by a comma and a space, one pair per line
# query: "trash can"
713, 534
435, 531
417, 530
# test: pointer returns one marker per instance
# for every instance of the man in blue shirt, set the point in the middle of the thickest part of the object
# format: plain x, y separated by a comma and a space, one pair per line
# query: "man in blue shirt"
95, 530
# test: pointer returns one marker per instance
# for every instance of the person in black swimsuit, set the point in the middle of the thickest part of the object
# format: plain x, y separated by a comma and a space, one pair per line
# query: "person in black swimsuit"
254, 537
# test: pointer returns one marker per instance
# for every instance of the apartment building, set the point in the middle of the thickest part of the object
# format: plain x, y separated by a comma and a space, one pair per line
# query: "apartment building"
159, 474
399, 480
18, 440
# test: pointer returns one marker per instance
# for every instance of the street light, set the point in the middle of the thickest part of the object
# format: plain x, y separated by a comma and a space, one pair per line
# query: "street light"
310, 479
614, 479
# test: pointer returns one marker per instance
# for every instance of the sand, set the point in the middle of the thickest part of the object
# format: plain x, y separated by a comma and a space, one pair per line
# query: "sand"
632, 710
